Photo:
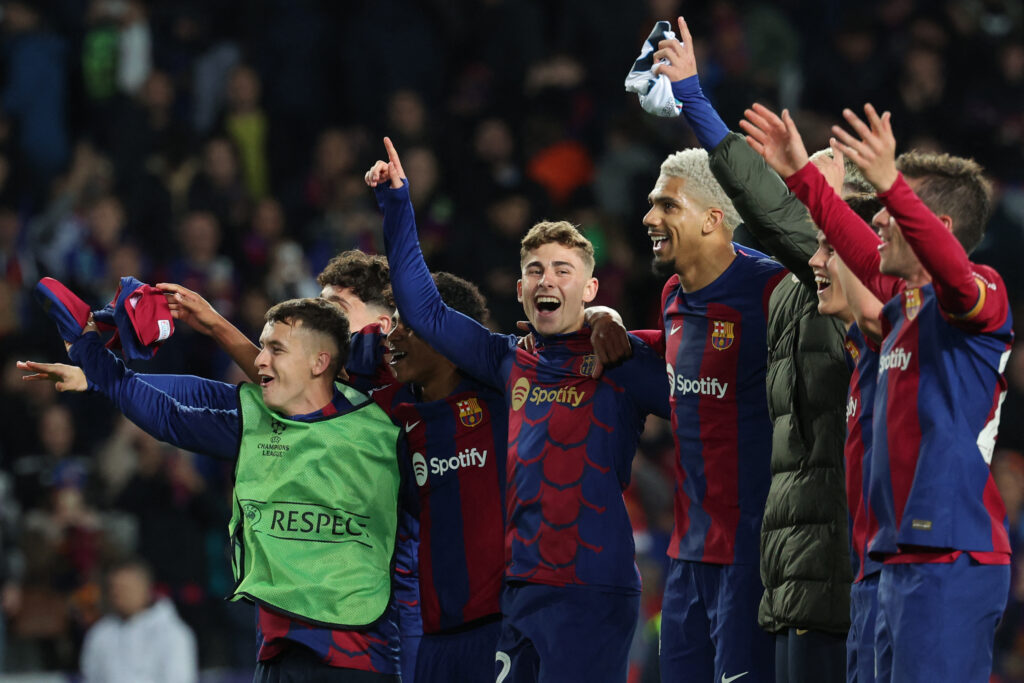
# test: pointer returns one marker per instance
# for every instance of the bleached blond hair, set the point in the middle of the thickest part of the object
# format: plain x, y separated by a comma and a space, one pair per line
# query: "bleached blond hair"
692, 166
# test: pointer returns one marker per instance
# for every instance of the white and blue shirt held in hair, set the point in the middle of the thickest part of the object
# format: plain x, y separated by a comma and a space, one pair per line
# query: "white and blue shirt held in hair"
654, 90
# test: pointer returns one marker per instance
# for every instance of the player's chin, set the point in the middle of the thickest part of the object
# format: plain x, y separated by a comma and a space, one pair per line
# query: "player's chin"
663, 267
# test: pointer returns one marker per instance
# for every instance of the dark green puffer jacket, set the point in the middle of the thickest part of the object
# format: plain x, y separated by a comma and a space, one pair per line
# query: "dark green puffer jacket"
805, 545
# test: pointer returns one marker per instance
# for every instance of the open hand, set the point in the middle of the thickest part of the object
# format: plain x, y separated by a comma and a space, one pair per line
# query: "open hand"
774, 138
190, 308
384, 171
681, 61
64, 377
875, 151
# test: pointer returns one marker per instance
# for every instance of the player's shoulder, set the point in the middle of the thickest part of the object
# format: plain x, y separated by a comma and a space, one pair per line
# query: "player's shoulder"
757, 264
671, 285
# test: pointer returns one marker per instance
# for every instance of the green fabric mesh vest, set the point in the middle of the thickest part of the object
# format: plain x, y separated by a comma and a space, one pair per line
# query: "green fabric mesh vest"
315, 511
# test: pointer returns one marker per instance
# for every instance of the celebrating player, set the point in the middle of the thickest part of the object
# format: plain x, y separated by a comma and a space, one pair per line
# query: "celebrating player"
572, 589
323, 557
947, 333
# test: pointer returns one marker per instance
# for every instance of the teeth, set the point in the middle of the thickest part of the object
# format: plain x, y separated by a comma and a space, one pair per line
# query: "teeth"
547, 300
657, 240
822, 280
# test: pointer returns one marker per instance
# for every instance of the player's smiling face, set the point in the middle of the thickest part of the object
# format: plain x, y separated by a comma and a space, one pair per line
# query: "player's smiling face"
410, 358
825, 264
673, 223
556, 284
285, 366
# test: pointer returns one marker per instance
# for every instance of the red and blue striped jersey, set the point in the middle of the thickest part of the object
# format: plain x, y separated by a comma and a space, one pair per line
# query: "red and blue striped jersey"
457, 446
862, 358
717, 352
940, 388
571, 438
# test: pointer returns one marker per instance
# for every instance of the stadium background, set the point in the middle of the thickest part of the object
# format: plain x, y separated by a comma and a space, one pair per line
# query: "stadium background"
221, 145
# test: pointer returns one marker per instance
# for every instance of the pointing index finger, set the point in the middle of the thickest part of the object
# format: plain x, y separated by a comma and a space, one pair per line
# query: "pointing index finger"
684, 32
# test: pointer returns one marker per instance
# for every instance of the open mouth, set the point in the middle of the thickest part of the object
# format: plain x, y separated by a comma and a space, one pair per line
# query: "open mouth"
657, 241
547, 304
396, 356
265, 380
823, 282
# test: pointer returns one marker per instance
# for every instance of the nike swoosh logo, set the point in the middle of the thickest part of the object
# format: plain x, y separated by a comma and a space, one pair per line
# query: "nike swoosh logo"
675, 328
733, 678
410, 427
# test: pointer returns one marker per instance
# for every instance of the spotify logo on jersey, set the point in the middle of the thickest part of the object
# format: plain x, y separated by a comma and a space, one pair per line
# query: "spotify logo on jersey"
419, 468
519, 392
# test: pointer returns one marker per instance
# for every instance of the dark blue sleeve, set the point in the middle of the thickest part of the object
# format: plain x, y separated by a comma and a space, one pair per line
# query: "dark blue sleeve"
464, 341
643, 378
211, 431
365, 360
185, 390
707, 125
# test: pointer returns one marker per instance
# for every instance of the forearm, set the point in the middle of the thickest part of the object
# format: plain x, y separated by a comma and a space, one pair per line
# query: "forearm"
459, 338
187, 391
936, 248
239, 347
204, 430
852, 238
707, 125
772, 214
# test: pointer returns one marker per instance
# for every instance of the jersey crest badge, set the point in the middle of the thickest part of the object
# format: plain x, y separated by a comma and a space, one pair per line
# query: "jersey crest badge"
722, 335
851, 349
912, 303
587, 365
470, 413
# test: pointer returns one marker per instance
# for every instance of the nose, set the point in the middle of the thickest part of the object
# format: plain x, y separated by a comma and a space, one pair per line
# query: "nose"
817, 259
262, 358
649, 218
880, 219
399, 331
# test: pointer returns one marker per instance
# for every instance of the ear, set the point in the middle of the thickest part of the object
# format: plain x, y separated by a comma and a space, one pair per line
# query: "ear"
385, 323
590, 290
947, 221
714, 219
321, 362
519, 290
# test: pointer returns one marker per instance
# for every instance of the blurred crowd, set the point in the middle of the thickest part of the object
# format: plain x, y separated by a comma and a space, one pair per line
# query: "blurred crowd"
221, 144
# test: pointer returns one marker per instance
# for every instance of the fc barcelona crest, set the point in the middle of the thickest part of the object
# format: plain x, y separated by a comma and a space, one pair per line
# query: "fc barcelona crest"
722, 335
470, 413
851, 349
912, 305
587, 365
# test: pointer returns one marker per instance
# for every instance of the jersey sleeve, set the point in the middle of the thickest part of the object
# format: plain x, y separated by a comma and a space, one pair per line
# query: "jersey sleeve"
212, 431
707, 125
471, 346
852, 238
967, 296
365, 366
652, 338
186, 390
643, 376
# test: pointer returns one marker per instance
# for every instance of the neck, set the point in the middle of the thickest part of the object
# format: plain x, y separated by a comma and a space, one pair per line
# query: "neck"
441, 384
313, 400
918, 278
702, 271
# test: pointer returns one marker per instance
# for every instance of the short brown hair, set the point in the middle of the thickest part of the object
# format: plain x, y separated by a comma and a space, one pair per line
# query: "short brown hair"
317, 315
367, 275
562, 232
952, 186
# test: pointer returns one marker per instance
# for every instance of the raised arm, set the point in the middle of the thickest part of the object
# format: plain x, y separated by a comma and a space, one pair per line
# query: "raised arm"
778, 141
958, 288
771, 213
196, 312
212, 431
467, 343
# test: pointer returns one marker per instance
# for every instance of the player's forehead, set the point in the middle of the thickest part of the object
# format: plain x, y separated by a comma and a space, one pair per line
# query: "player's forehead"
342, 296
552, 254
822, 239
277, 332
668, 187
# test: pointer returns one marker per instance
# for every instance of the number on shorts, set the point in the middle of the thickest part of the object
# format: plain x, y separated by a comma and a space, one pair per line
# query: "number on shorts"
506, 666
